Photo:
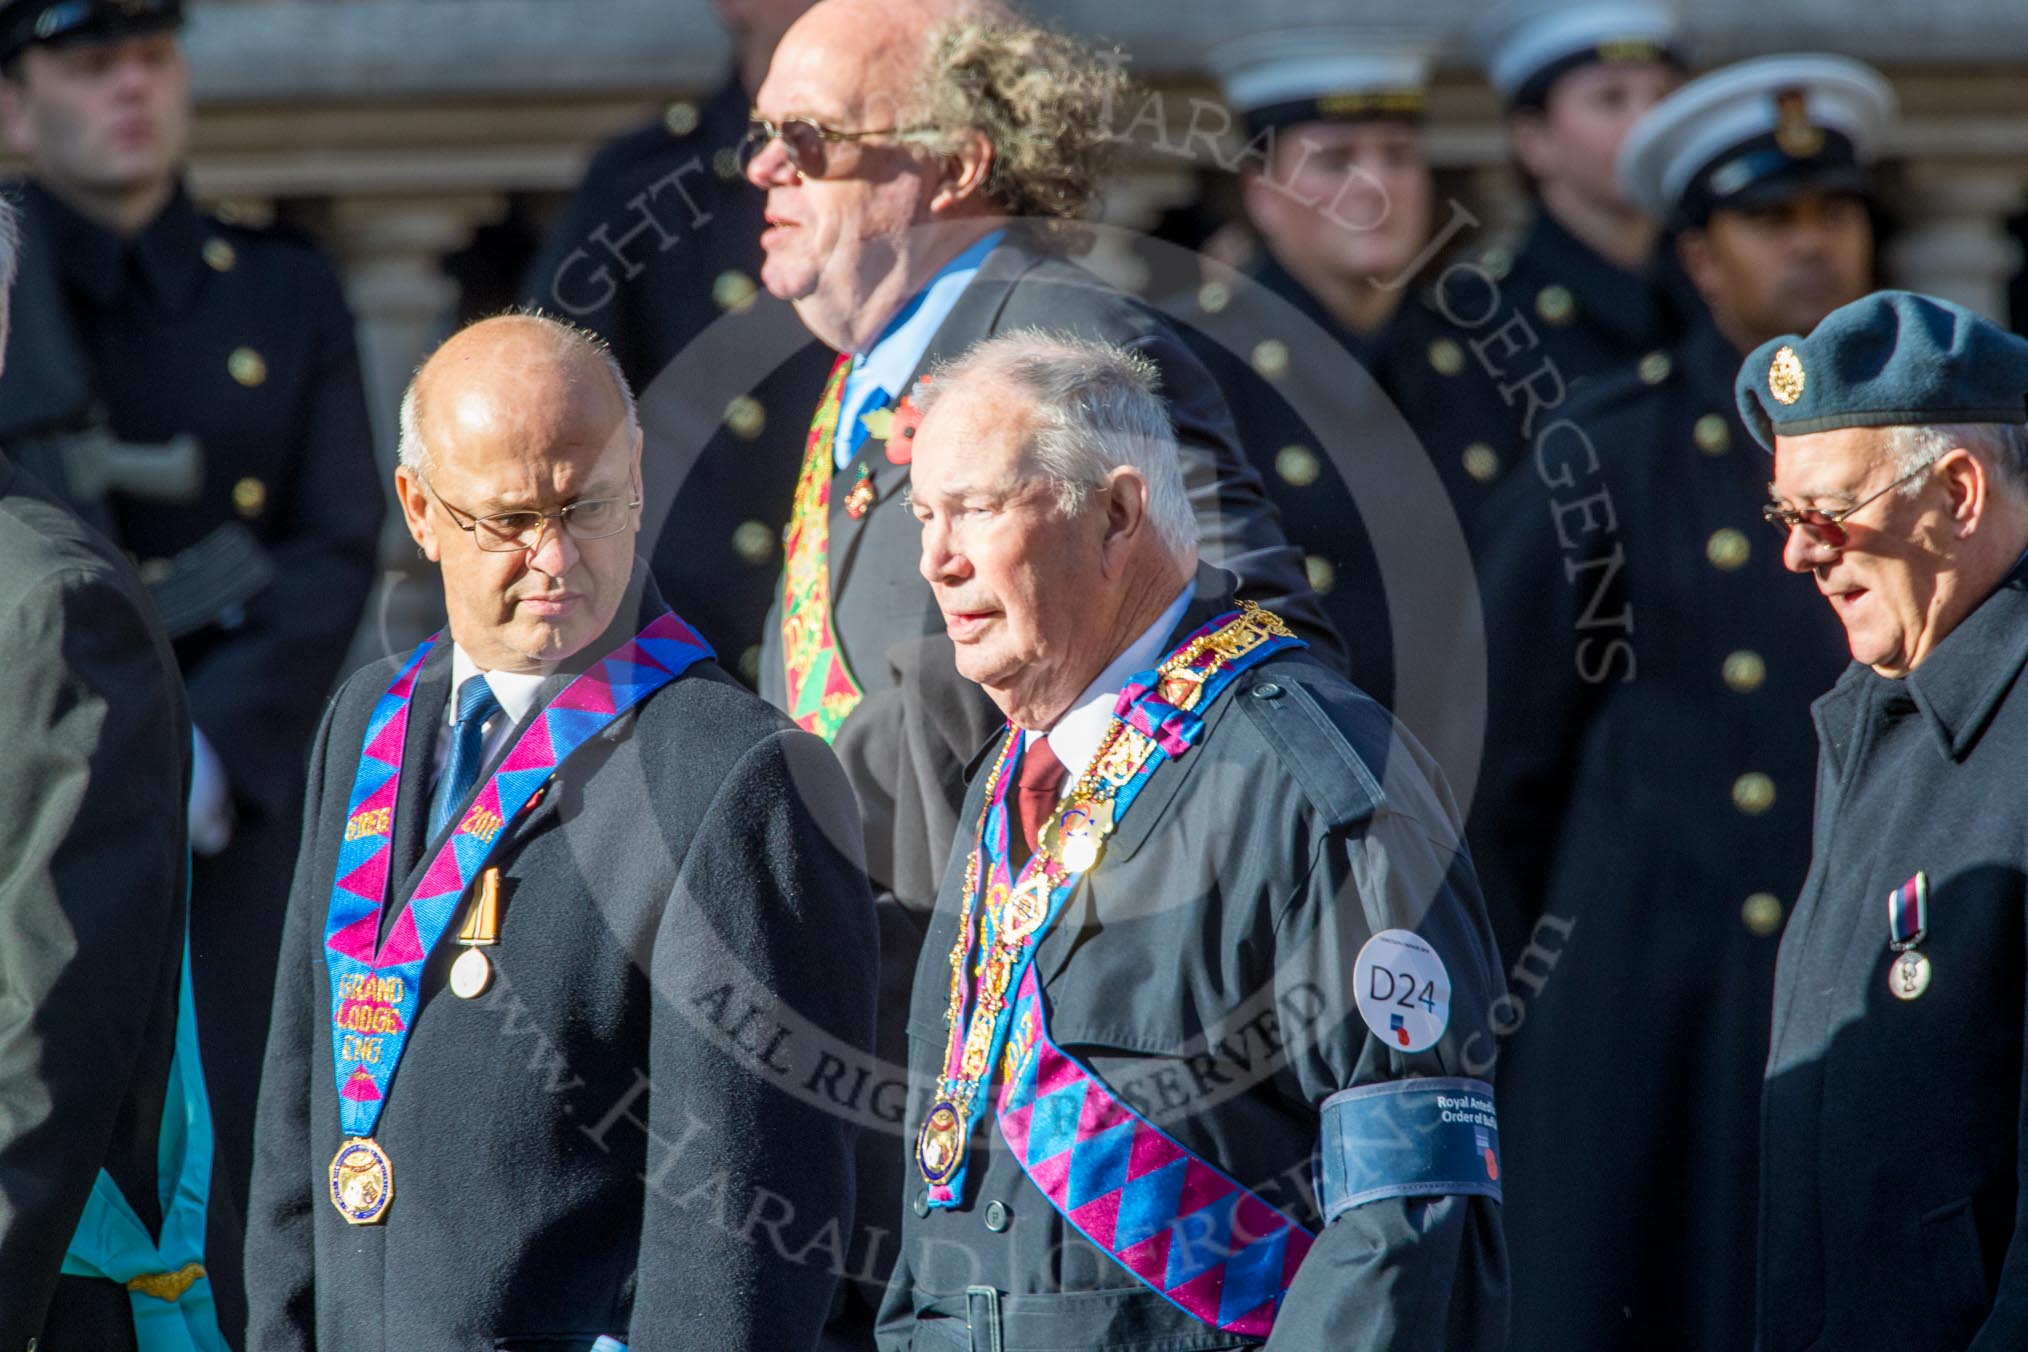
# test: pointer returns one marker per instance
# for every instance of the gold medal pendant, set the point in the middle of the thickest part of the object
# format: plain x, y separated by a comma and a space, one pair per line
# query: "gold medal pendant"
1079, 832
940, 1144
362, 1181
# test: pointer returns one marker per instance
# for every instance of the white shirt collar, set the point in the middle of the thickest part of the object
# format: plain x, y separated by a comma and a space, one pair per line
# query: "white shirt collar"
516, 690
1076, 737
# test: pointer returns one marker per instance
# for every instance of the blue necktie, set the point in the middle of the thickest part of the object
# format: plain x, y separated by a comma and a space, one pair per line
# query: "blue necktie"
476, 704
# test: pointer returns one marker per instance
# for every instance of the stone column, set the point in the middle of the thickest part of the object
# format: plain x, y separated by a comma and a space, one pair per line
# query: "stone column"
391, 249
1954, 242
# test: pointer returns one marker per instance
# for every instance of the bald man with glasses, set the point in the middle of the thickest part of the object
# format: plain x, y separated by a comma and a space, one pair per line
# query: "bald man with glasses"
595, 901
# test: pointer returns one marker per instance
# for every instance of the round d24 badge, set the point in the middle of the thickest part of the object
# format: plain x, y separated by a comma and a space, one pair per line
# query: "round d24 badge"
1403, 990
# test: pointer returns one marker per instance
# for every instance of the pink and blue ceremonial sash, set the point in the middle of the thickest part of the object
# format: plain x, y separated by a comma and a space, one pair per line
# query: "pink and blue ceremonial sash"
1178, 1223
375, 989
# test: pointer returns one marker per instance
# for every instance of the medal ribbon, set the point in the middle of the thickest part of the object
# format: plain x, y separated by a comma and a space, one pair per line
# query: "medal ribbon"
821, 689
375, 988
1157, 717
1908, 913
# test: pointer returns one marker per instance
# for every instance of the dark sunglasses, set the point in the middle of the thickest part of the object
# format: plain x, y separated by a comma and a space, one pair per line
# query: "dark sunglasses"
1829, 527
807, 141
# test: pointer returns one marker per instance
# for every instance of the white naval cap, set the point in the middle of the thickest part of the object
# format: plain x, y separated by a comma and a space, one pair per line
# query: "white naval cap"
1525, 45
1323, 74
1755, 133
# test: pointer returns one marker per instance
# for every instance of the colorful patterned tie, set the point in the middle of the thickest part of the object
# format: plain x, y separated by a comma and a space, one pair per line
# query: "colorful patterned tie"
1038, 791
476, 704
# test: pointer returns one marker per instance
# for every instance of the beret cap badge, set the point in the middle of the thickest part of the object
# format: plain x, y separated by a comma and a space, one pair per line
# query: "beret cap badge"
1785, 376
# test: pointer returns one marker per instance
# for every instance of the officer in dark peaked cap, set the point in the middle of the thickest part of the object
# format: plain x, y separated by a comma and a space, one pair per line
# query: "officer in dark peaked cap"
1323, 345
658, 248
1642, 824
1891, 1121
192, 388
1587, 271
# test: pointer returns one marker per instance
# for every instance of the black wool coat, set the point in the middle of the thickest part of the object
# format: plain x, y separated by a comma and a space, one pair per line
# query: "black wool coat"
240, 338
1642, 827
1891, 1130
617, 1137
94, 887
1203, 972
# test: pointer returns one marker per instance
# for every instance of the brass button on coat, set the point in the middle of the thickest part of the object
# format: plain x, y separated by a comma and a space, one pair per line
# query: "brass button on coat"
1728, 550
1555, 304
1482, 462
1753, 793
680, 117
247, 366
754, 542
1745, 670
1271, 357
733, 290
1323, 576
249, 495
1298, 465
1761, 913
746, 417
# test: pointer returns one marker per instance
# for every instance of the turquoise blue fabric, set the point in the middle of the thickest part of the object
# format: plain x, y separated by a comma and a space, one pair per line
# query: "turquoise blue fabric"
111, 1243
1429, 1137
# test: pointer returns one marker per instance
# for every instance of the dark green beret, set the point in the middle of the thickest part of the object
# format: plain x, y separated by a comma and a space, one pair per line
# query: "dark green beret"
1888, 359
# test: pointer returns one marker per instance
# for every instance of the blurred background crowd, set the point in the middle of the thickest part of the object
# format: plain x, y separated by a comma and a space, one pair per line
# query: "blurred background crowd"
1460, 213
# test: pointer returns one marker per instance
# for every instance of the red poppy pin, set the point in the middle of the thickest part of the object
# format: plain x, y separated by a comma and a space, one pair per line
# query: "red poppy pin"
901, 432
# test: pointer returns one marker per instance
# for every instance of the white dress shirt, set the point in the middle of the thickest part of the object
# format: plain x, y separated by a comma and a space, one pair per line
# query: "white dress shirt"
1077, 735
516, 691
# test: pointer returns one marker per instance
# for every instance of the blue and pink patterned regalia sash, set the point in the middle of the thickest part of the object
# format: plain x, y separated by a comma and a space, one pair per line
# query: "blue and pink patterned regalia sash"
375, 986
1178, 1223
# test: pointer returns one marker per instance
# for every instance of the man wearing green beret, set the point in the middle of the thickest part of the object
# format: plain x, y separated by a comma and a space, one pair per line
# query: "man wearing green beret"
1892, 1114
1642, 823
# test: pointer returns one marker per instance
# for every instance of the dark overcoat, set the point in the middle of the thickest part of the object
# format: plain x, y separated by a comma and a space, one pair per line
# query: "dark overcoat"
617, 1137
1643, 828
242, 339
909, 775
1891, 1144
94, 886
1202, 971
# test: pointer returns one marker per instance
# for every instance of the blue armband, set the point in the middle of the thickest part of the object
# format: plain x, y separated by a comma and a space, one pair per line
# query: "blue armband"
1408, 1138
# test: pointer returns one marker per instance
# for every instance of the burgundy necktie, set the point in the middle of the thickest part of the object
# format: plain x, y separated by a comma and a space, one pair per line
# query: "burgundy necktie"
1037, 793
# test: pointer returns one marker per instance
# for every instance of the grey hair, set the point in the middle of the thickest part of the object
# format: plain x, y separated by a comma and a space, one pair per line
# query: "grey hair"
1914, 445
1095, 407
1042, 99
569, 340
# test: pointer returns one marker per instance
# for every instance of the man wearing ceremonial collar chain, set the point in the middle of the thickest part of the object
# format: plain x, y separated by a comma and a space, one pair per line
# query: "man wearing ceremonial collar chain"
1187, 820
571, 800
